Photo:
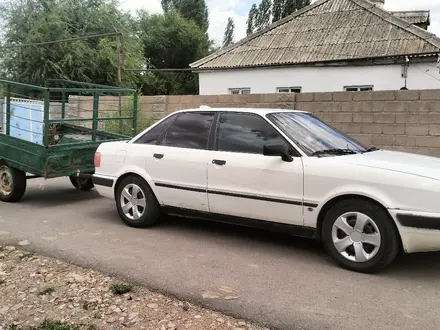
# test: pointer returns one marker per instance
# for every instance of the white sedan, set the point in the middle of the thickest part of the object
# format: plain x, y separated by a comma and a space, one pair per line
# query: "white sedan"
279, 170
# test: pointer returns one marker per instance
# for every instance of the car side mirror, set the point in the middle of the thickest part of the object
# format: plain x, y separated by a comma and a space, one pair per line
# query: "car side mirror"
277, 150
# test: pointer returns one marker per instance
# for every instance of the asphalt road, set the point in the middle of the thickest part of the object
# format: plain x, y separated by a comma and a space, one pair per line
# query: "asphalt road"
275, 280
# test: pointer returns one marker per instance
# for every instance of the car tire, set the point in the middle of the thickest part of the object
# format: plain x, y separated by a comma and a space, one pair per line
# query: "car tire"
360, 236
144, 210
81, 184
12, 184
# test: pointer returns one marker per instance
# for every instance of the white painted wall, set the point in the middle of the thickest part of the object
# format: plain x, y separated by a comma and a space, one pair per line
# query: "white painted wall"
326, 79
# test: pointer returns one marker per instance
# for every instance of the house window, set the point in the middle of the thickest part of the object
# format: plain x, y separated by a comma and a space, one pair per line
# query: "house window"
358, 88
239, 90
288, 89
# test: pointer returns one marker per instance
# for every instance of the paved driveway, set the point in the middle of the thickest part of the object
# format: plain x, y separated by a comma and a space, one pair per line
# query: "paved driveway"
282, 282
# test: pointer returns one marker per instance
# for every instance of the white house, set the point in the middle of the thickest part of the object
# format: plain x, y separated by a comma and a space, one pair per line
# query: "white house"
331, 45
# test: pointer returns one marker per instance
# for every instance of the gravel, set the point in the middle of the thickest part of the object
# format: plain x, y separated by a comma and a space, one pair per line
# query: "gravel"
35, 288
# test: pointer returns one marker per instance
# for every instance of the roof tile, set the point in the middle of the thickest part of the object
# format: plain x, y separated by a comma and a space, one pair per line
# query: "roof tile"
327, 30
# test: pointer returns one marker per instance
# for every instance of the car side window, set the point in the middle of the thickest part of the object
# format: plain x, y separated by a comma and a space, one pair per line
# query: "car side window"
246, 133
190, 130
153, 135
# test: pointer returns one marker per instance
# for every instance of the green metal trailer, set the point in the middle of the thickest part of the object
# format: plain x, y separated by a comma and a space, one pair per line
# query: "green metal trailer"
54, 130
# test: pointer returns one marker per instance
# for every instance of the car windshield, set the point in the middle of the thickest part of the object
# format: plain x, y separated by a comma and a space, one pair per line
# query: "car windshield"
313, 136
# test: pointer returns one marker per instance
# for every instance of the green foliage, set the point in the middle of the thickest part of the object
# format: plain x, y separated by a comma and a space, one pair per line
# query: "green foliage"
251, 19
195, 10
120, 289
290, 6
26, 256
260, 17
228, 39
90, 60
45, 291
172, 42
49, 324
277, 10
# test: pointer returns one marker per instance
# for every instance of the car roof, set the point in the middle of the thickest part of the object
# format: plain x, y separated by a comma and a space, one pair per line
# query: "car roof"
260, 111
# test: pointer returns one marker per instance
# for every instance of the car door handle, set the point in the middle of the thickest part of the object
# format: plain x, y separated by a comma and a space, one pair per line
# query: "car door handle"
219, 162
158, 156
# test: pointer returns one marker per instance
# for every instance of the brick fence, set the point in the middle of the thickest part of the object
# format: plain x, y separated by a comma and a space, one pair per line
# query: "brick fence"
395, 120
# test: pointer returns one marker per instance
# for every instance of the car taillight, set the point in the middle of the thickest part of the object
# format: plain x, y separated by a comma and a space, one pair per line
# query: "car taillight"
97, 159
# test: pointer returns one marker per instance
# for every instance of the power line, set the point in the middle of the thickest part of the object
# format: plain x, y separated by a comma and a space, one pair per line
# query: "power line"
161, 70
63, 40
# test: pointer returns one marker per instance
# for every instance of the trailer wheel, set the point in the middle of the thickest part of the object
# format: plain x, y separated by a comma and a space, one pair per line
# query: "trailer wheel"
82, 184
12, 184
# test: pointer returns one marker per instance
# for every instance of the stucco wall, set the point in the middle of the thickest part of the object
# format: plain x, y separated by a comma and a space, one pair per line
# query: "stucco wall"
324, 79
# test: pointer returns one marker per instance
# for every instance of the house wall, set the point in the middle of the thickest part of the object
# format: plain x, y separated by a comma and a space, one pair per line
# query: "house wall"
320, 79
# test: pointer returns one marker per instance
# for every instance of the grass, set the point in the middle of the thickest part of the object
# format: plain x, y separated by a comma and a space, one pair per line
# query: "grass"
26, 255
120, 289
49, 324
46, 291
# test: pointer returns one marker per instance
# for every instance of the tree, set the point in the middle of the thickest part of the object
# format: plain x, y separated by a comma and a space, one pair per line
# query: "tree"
171, 42
196, 10
263, 16
277, 10
251, 19
89, 60
290, 6
260, 17
167, 5
229, 33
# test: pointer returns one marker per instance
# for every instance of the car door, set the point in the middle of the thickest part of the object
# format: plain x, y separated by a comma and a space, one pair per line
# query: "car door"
177, 162
243, 182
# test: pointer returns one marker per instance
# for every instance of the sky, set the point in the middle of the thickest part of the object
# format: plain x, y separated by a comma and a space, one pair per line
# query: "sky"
220, 10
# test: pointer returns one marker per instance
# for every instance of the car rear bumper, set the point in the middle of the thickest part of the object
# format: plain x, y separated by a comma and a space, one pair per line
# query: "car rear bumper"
420, 231
104, 185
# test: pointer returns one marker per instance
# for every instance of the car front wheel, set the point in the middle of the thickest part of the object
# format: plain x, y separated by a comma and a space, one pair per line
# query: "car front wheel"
136, 203
360, 236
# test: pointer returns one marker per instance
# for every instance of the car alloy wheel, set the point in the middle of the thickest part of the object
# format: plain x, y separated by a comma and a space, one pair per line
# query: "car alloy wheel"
133, 201
356, 237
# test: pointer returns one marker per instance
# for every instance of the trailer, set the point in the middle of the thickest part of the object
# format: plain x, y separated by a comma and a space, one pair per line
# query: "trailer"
54, 130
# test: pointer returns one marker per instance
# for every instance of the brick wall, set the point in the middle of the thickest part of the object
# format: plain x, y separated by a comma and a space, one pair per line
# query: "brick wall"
395, 120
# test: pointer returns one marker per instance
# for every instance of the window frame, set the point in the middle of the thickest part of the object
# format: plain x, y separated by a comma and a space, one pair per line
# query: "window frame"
367, 88
175, 115
293, 151
210, 131
240, 90
290, 89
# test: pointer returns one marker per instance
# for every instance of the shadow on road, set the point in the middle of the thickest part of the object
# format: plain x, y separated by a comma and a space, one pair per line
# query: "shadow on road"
421, 266
50, 196
415, 266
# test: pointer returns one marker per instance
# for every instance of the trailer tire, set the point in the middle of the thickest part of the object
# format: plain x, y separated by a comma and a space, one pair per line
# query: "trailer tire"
81, 184
12, 184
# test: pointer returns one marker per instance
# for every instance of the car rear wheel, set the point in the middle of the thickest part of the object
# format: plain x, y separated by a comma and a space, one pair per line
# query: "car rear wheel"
360, 236
136, 203
12, 184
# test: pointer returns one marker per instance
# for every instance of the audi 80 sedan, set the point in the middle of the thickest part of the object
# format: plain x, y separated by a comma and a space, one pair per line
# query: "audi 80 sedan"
280, 170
